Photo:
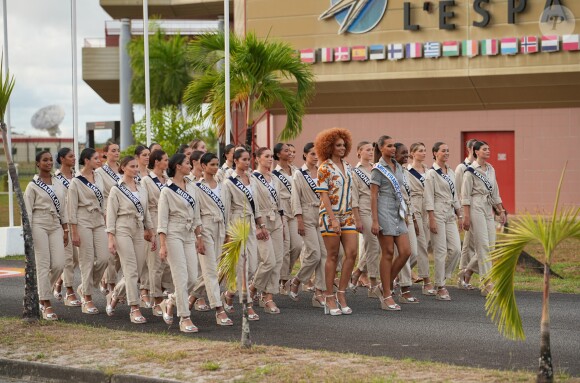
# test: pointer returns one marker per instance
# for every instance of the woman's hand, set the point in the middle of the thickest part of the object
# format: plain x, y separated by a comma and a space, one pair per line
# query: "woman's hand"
65, 238
262, 234
502, 217
359, 226
460, 223
375, 228
301, 228
200, 246
466, 222
335, 225
163, 252
148, 235
76, 239
432, 225
112, 245
416, 225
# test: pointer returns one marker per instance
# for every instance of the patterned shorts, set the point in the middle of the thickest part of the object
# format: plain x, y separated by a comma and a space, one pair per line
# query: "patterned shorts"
347, 224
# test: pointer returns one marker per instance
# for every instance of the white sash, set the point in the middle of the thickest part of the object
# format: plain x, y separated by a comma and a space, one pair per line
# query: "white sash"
40, 183
391, 177
129, 194
214, 197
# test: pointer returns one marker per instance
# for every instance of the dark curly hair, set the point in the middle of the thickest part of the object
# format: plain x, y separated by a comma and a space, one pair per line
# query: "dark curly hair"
324, 143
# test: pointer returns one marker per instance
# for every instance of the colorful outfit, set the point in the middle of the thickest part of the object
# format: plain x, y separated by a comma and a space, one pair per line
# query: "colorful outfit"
339, 186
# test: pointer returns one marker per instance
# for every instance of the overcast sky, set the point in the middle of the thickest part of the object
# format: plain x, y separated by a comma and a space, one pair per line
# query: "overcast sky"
39, 51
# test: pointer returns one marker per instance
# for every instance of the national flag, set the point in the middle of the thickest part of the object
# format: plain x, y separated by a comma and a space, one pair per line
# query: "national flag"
470, 48
550, 43
326, 55
308, 55
571, 42
342, 54
450, 48
414, 50
432, 49
509, 46
489, 47
395, 52
360, 53
529, 44
377, 52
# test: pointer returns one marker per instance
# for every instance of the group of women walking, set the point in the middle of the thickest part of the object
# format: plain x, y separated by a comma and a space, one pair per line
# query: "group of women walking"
148, 230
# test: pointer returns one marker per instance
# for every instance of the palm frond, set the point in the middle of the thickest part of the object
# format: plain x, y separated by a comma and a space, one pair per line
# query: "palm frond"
6, 88
238, 231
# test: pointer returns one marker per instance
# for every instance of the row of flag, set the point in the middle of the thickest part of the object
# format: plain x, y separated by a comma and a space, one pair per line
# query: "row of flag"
466, 48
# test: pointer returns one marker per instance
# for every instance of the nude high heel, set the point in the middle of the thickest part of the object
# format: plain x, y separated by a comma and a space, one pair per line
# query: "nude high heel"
329, 311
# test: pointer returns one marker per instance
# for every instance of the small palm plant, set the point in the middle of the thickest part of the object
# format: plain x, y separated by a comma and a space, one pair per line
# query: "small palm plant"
238, 233
31, 309
501, 302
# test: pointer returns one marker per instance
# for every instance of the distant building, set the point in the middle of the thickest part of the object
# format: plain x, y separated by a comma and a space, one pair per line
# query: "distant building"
24, 148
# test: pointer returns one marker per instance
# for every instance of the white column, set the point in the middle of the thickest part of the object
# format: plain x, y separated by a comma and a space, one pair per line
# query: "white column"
147, 86
227, 70
75, 98
125, 85
8, 126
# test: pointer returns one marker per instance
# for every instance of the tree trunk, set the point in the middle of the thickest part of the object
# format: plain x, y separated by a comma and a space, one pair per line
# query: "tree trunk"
250, 128
31, 310
546, 371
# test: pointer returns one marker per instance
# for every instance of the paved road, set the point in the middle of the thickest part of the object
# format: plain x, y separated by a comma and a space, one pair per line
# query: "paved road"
456, 332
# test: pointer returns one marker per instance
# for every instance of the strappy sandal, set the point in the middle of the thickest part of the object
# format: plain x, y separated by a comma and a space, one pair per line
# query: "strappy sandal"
103, 288
293, 295
387, 307
270, 309
89, 310
428, 289
308, 287
317, 303
462, 283
442, 296
329, 311
200, 306
165, 306
187, 328
376, 291
57, 291
48, 316
344, 309
138, 319
404, 299
254, 316
143, 303
156, 309
223, 321
110, 309
227, 307
72, 303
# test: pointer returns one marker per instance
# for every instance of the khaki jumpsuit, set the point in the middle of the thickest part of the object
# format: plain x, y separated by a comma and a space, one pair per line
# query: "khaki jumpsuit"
271, 251
114, 263
159, 271
480, 199
87, 213
306, 202
418, 209
178, 220
126, 223
213, 235
361, 197
223, 173
47, 233
71, 253
446, 243
239, 208
292, 240
468, 246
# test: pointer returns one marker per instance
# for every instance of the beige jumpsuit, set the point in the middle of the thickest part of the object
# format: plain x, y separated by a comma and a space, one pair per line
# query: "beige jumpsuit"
178, 220
126, 223
213, 235
418, 208
159, 271
271, 251
306, 202
468, 246
480, 199
361, 197
405, 276
446, 243
87, 213
71, 253
223, 173
292, 240
47, 233
239, 208
114, 263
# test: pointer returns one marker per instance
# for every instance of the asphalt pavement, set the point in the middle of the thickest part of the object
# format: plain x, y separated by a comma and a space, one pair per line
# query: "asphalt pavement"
456, 332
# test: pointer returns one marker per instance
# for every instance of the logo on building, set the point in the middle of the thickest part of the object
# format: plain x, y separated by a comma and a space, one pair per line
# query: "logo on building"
355, 16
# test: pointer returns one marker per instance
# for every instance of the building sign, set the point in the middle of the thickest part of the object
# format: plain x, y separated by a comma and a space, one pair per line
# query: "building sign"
361, 16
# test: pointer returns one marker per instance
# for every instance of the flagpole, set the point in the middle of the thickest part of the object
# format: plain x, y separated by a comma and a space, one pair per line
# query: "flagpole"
75, 98
227, 70
147, 85
8, 125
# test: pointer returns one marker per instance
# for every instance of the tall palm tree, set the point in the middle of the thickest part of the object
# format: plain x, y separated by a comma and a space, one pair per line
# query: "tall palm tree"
262, 74
31, 309
501, 302
169, 70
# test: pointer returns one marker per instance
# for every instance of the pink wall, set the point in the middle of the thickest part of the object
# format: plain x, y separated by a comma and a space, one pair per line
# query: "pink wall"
544, 140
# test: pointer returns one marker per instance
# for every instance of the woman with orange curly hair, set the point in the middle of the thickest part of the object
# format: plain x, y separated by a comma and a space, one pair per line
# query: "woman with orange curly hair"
337, 223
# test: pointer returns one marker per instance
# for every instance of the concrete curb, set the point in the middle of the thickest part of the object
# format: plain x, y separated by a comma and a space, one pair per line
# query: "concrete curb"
60, 374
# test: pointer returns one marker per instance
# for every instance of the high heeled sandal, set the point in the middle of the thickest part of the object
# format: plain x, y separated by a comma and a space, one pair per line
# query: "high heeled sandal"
404, 299
187, 328
110, 309
72, 303
57, 291
165, 306
138, 319
156, 309
344, 309
89, 310
353, 285
200, 306
387, 307
223, 321
462, 283
308, 287
316, 302
48, 316
255, 296
486, 290
329, 311
429, 291
283, 289
143, 303
103, 288
375, 291
293, 295
270, 309
443, 296
254, 316
227, 307
80, 295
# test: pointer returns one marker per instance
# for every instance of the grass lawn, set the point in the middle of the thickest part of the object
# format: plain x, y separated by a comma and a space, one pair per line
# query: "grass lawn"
4, 208
191, 359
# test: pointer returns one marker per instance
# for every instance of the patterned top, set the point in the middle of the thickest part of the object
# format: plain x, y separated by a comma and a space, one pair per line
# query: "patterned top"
337, 185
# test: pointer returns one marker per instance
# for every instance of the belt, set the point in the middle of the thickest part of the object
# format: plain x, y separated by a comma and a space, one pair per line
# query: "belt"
187, 222
212, 217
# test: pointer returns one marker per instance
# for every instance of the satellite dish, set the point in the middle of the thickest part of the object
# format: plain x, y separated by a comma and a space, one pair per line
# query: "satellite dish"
48, 119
